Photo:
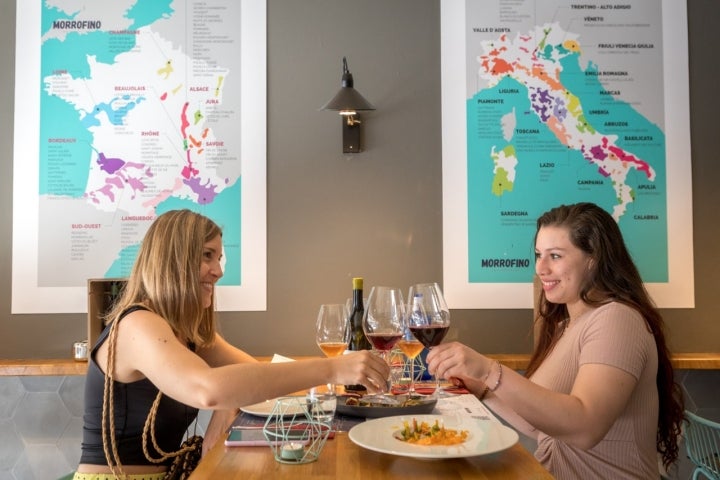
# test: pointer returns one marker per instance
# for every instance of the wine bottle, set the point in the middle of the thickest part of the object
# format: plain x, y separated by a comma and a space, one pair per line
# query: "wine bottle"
417, 311
358, 340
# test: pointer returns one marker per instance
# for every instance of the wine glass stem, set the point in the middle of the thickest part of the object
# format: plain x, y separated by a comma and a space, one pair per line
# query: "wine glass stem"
384, 356
388, 383
411, 388
437, 382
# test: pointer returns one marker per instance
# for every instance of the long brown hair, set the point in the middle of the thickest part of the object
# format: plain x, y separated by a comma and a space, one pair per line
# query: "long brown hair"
166, 275
614, 277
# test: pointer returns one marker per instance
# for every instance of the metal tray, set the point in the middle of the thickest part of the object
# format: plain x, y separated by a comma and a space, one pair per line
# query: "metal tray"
425, 405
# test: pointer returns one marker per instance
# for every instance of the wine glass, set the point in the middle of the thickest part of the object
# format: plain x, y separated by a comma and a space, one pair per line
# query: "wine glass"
411, 347
429, 318
331, 331
383, 318
396, 359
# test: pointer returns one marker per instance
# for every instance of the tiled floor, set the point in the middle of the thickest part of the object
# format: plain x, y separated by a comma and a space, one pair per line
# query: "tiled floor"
41, 422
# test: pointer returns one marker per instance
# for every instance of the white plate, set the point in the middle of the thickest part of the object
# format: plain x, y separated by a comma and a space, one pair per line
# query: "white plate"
264, 409
484, 437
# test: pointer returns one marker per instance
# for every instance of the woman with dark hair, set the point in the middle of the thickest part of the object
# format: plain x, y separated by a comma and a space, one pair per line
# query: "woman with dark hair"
598, 395
161, 359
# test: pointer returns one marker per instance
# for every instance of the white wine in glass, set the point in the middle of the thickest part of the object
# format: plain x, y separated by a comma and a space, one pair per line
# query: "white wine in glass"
332, 332
411, 347
333, 349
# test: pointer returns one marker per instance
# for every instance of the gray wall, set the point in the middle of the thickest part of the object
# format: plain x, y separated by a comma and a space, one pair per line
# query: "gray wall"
377, 214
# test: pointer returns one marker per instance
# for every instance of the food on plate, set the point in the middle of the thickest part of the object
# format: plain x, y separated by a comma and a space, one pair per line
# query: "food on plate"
425, 434
393, 401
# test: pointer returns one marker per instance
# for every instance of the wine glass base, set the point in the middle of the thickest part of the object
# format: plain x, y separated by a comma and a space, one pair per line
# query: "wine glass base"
406, 391
441, 393
432, 389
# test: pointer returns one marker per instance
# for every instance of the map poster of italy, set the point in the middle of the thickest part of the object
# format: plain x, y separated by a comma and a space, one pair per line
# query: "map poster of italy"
125, 110
563, 102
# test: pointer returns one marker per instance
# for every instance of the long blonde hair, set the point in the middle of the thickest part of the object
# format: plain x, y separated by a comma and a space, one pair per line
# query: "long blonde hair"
166, 280
166, 275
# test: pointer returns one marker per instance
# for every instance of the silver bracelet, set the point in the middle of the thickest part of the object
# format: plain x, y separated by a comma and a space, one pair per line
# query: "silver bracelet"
499, 378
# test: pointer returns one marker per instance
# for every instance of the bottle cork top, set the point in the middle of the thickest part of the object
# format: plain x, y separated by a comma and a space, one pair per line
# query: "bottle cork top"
357, 283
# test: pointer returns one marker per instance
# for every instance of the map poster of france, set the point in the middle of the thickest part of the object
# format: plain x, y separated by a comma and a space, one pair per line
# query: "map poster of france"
125, 110
555, 102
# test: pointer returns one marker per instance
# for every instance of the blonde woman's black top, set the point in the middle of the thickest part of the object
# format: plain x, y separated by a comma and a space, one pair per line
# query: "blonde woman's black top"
132, 405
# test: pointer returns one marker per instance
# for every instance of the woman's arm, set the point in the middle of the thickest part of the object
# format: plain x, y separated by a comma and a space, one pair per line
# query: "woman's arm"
147, 347
510, 416
581, 418
220, 352
219, 423
480, 390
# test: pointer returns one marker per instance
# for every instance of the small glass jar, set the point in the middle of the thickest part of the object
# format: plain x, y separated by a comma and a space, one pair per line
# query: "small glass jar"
80, 351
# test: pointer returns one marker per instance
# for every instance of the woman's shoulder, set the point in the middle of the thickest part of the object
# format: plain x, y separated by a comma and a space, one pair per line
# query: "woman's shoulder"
124, 313
131, 309
618, 335
617, 308
617, 316
139, 318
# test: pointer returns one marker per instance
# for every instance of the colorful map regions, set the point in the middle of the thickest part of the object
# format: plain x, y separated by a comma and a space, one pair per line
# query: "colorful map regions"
556, 113
140, 109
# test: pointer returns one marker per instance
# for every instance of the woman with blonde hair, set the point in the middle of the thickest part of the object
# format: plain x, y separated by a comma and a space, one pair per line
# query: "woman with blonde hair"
161, 359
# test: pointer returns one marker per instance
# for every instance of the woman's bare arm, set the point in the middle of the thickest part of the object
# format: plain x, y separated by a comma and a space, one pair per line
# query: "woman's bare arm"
581, 418
147, 347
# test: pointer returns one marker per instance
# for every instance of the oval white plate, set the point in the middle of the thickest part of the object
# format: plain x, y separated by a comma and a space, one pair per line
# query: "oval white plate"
484, 437
264, 409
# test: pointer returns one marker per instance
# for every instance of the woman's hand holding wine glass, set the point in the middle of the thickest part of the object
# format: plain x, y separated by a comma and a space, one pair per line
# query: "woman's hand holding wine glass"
383, 320
429, 317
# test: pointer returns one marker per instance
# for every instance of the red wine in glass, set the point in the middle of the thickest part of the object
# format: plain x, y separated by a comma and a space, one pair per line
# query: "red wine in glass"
429, 317
430, 335
383, 341
383, 321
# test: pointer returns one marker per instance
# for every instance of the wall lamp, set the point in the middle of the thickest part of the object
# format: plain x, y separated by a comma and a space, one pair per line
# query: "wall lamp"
348, 102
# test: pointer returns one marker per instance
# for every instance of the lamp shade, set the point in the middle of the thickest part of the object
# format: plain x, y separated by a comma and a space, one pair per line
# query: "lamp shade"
347, 98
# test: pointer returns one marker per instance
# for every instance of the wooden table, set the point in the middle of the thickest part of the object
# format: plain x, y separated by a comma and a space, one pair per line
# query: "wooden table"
341, 458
